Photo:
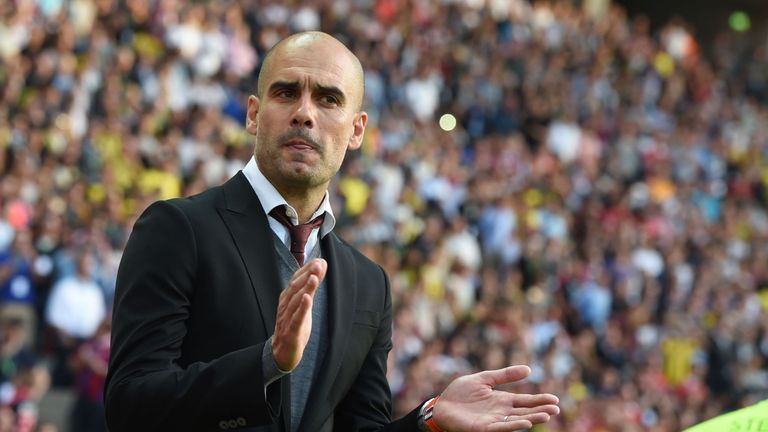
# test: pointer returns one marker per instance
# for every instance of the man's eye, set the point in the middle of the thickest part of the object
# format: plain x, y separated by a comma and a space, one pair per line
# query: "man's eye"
331, 100
286, 94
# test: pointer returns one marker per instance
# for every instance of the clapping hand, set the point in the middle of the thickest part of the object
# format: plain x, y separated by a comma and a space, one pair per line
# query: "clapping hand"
294, 314
471, 404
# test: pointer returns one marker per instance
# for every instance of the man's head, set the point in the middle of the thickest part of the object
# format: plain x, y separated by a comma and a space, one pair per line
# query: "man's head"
307, 112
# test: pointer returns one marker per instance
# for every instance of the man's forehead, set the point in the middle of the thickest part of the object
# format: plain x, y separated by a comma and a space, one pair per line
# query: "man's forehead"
317, 58
311, 67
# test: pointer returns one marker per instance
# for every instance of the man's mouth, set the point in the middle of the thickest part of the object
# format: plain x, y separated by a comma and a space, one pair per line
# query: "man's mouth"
299, 141
299, 144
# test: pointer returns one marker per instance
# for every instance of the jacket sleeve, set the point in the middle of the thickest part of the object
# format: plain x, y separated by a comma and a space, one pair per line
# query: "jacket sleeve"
368, 404
146, 388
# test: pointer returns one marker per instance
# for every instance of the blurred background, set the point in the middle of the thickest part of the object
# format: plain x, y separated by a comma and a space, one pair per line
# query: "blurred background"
580, 186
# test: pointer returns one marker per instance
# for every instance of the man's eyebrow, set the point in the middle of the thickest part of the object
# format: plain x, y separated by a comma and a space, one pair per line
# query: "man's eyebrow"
318, 88
332, 91
283, 85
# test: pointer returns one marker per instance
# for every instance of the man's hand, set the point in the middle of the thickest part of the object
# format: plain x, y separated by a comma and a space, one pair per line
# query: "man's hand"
470, 404
294, 314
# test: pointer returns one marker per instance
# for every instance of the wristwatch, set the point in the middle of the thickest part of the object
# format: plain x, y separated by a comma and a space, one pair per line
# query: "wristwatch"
425, 421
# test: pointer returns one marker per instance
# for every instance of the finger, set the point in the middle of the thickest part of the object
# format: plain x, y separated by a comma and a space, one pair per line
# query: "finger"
301, 274
306, 283
538, 418
300, 280
302, 314
512, 424
292, 316
503, 376
289, 324
287, 342
317, 266
517, 422
529, 400
544, 409
290, 302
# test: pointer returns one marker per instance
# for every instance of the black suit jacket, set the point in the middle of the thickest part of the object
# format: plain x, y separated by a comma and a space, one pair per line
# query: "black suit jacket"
196, 299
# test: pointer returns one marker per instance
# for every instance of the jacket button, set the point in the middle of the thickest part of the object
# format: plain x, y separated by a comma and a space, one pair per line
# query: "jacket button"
223, 425
232, 424
240, 421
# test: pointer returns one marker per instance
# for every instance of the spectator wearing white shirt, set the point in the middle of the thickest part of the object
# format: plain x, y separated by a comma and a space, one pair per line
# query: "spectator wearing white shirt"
74, 311
76, 305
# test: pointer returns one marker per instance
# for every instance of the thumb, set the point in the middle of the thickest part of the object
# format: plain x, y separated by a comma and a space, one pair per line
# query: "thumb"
505, 375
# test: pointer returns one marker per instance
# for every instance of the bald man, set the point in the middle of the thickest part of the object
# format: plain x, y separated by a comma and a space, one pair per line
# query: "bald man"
240, 309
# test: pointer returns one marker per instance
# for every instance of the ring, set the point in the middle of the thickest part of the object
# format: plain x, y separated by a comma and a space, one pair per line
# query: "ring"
506, 417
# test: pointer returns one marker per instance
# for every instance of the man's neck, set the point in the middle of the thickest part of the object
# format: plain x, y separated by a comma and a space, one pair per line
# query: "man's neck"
304, 201
301, 197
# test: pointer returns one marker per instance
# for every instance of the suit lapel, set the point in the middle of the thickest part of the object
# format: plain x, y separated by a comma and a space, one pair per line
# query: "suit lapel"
250, 232
342, 297
244, 216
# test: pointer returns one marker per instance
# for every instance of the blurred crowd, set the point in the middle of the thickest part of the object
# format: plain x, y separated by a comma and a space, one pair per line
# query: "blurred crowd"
598, 212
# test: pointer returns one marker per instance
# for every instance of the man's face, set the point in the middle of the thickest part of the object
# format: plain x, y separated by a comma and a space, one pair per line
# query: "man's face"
307, 114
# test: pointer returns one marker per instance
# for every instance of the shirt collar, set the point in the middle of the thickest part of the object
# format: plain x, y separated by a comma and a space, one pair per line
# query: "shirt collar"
271, 198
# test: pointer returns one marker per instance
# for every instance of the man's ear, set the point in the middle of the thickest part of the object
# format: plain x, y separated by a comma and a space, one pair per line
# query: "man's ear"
251, 124
356, 140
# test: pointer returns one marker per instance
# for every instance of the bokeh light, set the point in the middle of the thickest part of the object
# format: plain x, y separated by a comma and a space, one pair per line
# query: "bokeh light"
447, 122
739, 21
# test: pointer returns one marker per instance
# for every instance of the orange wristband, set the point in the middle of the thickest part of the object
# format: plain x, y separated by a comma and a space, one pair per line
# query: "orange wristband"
427, 418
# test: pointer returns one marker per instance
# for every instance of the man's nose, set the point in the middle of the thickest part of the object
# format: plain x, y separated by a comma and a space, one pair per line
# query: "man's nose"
304, 114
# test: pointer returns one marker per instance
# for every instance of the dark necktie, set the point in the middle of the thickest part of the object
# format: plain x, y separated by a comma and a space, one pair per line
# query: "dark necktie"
299, 233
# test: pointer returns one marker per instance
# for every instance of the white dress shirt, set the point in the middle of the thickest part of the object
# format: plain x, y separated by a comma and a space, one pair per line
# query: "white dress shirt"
271, 198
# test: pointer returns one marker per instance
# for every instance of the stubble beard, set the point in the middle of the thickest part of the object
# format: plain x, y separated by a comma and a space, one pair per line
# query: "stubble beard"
286, 172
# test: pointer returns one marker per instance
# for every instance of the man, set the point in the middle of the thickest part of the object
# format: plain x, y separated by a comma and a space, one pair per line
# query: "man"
203, 337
